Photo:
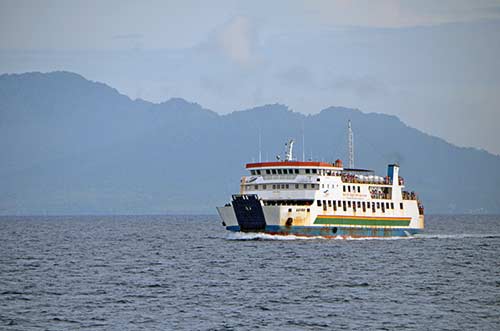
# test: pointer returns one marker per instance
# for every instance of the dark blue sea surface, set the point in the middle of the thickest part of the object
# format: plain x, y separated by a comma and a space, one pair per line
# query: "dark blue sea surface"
188, 273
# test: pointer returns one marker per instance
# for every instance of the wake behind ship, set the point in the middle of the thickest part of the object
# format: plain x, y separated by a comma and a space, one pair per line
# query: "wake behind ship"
301, 198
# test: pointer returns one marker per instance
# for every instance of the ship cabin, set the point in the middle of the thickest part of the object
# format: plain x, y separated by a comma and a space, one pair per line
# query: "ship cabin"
327, 185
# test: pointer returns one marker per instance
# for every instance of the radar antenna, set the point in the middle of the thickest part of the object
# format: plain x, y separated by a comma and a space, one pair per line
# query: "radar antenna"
351, 145
289, 149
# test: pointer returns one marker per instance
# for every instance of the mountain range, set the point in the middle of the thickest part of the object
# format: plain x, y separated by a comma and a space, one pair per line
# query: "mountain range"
72, 146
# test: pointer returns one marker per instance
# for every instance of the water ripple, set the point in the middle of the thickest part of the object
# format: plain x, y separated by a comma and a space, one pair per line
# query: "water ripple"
187, 273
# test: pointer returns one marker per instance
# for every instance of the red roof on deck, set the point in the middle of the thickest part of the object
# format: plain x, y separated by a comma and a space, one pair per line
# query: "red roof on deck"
289, 164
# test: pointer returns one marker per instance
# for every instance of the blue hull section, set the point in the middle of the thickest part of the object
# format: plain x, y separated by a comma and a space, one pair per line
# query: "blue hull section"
331, 231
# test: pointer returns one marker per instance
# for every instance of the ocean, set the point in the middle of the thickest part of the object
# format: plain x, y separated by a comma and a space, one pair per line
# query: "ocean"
189, 273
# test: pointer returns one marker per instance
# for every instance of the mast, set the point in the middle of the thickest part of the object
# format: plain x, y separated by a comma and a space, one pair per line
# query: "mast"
260, 146
351, 145
289, 149
303, 144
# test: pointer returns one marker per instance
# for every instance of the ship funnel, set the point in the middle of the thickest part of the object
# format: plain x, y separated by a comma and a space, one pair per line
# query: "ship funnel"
393, 173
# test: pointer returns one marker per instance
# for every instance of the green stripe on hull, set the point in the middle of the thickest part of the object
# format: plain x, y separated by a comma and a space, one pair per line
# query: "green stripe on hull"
358, 221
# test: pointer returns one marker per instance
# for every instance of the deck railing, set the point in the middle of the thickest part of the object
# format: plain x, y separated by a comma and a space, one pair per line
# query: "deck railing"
409, 195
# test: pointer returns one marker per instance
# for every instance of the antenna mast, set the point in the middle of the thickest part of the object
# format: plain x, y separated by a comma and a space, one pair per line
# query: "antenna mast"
351, 145
260, 146
303, 144
289, 149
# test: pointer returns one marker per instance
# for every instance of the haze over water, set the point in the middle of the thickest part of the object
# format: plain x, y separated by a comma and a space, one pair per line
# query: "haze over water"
187, 272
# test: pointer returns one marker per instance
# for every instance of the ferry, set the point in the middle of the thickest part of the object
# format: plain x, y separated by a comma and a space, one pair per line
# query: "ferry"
306, 198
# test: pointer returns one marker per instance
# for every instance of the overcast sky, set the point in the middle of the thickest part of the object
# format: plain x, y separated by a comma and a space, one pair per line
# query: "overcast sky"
434, 64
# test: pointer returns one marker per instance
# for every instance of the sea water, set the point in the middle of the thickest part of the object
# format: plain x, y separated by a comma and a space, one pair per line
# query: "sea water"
188, 273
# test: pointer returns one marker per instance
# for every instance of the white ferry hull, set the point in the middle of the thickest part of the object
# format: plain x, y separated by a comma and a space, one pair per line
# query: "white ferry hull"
248, 214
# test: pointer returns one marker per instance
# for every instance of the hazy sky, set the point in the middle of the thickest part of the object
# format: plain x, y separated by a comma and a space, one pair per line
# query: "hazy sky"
435, 64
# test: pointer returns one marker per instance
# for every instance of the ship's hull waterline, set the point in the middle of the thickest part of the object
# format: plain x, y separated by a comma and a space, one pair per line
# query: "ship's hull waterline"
332, 232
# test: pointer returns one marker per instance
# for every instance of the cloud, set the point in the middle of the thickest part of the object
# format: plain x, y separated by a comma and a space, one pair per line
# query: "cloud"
398, 13
362, 86
128, 36
295, 76
237, 40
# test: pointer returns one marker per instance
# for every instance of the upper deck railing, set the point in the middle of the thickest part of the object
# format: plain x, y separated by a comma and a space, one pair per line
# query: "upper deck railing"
367, 180
409, 195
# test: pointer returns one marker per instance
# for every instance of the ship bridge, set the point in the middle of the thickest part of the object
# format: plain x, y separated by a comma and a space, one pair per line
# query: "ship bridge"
293, 168
290, 180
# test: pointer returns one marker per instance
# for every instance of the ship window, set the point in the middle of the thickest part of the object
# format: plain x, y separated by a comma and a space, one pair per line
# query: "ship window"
308, 210
359, 189
274, 186
344, 205
285, 171
387, 205
319, 203
256, 187
329, 203
264, 187
392, 205
359, 204
296, 171
279, 171
324, 205
349, 204
383, 207
274, 171
378, 205
340, 203
322, 185
373, 206
258, 172
296, 185
349, 188
268, 171
343, 187
252, 172
334, 205
364, 206
286, 186
400, 205
282, 186
308, 171
305, 185
289, 210
314, 171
